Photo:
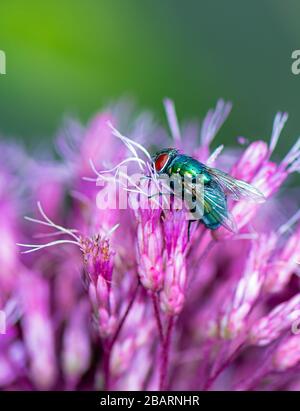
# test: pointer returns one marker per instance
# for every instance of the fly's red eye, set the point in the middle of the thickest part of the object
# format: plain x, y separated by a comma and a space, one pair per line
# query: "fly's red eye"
161, 161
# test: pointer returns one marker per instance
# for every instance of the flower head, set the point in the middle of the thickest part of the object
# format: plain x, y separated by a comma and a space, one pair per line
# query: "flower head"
175, 305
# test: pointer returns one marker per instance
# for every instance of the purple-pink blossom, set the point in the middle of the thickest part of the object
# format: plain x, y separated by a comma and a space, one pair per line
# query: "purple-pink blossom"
137, 298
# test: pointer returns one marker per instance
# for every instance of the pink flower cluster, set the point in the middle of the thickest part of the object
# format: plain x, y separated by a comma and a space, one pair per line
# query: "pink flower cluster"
132, 299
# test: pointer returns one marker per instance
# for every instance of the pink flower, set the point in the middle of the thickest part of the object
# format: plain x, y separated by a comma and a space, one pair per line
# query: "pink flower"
76, 354
98, 264
38, 329
146, 299
248, 288
173, 293
150, 249
268, 328
284, 264
287, 354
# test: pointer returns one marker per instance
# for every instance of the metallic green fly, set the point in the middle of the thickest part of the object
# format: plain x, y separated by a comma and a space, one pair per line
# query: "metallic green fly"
217, 186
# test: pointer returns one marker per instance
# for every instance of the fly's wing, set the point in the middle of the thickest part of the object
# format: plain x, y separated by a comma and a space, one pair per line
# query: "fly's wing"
215, 210
237, 189
210, 206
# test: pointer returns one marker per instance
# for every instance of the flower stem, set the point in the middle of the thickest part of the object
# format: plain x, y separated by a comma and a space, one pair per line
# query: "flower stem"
165, 356
108, 345
106, 365
249, 383
118, 330
157, 317
222, 367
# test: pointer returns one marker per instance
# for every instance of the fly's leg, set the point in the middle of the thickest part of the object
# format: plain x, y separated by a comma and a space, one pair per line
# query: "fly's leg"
189, 226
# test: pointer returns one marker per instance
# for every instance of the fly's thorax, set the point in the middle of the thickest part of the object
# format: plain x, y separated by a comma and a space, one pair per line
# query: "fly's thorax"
188, 167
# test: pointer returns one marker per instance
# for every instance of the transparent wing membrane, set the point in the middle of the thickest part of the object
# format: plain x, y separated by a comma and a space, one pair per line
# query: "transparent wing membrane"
237, 189
215, 209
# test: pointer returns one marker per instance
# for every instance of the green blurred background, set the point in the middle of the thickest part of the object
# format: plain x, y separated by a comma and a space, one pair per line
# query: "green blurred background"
72, 57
